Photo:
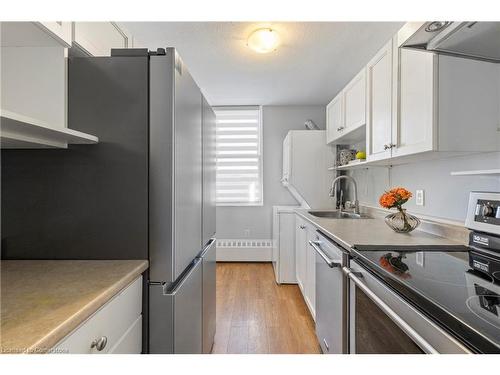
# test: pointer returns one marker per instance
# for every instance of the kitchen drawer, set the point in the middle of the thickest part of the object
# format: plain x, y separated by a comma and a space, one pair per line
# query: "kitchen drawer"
131, 341
112, 320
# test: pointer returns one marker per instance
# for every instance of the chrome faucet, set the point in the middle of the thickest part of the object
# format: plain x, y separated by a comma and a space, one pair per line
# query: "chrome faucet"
349, 178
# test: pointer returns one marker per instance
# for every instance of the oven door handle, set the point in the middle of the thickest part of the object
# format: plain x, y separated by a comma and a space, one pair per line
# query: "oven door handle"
331, 263
419, 340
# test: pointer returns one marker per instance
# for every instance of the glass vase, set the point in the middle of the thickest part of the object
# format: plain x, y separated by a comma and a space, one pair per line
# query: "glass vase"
402, 222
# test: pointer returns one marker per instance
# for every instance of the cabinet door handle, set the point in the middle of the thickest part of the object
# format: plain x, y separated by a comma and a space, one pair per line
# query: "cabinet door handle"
302, 226
99, 343
331, 263
392, 145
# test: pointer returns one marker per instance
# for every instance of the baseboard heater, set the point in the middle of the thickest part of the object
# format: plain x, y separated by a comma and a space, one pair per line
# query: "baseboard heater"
244, 250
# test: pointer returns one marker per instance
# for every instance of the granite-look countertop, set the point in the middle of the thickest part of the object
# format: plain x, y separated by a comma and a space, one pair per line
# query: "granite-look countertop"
42, 301
371, 231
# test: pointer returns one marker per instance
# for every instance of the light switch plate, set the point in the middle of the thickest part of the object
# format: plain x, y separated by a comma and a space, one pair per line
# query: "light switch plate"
419, 198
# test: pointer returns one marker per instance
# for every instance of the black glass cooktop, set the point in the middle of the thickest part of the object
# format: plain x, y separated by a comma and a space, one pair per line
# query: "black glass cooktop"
457, 288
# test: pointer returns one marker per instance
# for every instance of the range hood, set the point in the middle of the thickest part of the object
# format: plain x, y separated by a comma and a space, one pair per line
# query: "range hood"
475, 40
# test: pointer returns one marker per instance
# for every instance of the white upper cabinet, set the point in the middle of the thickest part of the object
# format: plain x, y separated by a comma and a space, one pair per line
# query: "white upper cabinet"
355, 102
36, 34
346, 113
446, 104
98, 38
60, 30
416, 126
379, 108
335, 118
421, 104
34, 86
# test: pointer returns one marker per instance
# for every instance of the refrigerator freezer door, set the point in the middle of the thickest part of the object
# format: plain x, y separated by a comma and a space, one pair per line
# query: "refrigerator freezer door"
175, 316
175, 192
209, 295
161, 168
188, 169
209, 157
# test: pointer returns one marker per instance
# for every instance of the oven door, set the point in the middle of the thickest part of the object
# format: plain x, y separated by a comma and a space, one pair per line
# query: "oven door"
382, 322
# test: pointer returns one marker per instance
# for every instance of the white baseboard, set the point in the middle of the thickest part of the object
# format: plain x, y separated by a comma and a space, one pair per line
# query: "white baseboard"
244, 250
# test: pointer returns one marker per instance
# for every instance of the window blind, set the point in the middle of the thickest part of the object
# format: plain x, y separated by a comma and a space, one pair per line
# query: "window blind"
239, 156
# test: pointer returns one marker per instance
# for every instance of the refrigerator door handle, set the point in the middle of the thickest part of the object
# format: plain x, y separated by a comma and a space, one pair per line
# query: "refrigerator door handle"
208, 247
180, 283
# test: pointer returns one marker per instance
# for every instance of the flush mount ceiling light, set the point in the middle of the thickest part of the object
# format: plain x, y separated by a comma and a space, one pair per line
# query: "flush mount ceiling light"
264, 40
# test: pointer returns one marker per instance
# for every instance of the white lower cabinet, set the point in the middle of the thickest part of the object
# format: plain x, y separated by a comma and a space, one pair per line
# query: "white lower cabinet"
114, 328
131, 341
305, 262
310, 294
300, 254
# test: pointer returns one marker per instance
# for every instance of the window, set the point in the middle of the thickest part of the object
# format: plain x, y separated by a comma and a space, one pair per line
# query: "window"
239, 156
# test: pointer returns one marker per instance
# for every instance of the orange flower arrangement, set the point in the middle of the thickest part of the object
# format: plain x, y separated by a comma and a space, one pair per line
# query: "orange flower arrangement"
395, 198
400, 221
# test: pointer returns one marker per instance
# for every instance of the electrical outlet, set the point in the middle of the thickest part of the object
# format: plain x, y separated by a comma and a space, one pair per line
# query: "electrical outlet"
419, 198
247, 233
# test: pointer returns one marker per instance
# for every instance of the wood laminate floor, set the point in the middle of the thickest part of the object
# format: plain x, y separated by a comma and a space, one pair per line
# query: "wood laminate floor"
255, 315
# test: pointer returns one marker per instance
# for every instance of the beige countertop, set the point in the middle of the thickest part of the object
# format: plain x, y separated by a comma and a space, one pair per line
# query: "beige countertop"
372, 231
44, 300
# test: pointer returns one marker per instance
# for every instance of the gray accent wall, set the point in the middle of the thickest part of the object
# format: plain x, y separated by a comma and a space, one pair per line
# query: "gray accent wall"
232, 222
445, 196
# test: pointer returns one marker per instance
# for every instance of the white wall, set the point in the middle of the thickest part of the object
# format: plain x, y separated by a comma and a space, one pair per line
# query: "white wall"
446, 196
232, 222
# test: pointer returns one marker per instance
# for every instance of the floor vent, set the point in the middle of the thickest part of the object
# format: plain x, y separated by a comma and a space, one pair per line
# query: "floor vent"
244, 250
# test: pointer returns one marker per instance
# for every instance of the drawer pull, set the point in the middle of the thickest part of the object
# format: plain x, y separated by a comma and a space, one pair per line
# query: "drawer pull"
99, 343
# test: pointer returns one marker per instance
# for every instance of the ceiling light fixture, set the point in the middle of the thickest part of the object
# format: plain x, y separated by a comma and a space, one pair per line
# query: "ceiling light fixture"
264, 40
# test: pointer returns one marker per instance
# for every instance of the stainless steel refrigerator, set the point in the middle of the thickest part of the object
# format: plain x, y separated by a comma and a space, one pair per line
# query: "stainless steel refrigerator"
146, 190
182, 216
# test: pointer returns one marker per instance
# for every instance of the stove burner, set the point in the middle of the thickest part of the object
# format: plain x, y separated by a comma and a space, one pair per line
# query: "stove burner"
496, 275
484, 307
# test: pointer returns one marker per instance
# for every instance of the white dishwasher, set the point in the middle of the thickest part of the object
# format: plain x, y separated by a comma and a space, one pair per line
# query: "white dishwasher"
331, 295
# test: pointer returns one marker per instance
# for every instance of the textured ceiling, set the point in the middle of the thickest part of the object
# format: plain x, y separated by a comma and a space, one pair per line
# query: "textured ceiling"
313, 63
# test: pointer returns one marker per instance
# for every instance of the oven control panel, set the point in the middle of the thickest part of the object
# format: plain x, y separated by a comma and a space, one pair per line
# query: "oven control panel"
487, 211
483, 213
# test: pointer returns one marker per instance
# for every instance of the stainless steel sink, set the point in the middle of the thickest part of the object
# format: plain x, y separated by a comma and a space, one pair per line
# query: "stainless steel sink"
336, 214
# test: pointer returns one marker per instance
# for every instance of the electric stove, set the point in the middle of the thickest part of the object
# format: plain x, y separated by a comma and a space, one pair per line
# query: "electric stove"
458, 287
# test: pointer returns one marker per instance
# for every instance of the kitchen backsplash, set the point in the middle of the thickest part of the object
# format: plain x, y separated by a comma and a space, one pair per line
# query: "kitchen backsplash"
445, 196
